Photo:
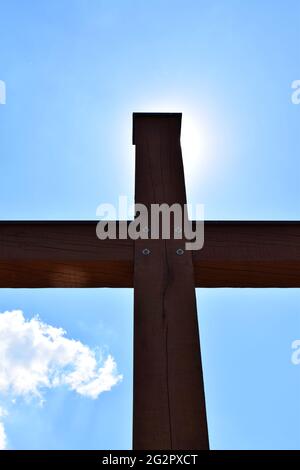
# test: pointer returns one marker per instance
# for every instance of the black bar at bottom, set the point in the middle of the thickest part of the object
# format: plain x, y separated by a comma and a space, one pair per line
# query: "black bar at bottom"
133, 459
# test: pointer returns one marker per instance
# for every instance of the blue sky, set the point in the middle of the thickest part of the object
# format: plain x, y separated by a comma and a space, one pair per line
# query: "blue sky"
74, 73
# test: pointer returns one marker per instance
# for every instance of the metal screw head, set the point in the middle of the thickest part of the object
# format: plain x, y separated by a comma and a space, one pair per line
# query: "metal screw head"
146, 251
179, 252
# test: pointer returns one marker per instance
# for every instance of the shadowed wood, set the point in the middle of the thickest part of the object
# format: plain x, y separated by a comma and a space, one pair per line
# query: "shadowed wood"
62, 254
249, 254
68, 254
169, 404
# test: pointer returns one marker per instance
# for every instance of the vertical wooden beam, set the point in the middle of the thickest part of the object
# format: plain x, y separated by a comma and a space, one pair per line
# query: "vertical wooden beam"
169, 403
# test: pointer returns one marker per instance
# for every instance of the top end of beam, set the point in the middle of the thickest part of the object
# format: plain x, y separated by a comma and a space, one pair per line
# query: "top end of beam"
149, 122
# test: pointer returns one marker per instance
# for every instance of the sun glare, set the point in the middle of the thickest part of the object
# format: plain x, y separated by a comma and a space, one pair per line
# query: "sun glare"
195, 137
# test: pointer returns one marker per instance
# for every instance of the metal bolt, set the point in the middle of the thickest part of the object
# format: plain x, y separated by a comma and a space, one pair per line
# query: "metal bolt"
179, 252
146, 251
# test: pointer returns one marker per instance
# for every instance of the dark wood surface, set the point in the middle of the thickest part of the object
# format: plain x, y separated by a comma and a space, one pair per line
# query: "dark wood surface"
68, 254
62, 254
169, 405
249, 254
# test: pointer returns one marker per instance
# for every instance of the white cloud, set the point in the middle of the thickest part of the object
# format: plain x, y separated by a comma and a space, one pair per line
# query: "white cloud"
35, 356
3, 440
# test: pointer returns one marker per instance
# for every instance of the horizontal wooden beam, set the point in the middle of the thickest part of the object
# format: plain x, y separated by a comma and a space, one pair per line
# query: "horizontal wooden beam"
249, 254
68, 254
62, 254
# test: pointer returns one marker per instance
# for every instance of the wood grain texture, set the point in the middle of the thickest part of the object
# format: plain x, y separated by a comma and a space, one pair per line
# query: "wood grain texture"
62, 254
249, 254
68, 254
169, 403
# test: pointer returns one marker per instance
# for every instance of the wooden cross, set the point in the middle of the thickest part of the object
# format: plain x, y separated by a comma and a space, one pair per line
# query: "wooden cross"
169, 405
